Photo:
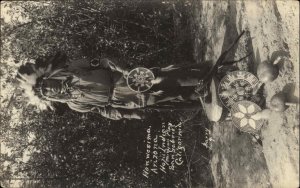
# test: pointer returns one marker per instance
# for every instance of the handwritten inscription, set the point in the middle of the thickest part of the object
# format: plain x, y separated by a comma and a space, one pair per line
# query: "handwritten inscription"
164, 150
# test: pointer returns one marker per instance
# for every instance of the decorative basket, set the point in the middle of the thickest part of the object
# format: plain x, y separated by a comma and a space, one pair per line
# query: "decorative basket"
139, 79
242, 116
239, 86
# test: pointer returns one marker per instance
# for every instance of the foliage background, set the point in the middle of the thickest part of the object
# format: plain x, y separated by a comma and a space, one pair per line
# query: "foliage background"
69, 149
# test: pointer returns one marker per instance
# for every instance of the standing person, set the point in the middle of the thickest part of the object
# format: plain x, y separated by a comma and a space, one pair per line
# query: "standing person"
84, 88
100, 85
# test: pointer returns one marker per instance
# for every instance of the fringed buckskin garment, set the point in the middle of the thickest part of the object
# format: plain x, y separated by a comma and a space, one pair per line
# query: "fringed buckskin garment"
104, 90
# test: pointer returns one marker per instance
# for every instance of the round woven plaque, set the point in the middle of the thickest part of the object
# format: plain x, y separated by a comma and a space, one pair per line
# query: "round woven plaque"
139, 79
242, 115
237, 86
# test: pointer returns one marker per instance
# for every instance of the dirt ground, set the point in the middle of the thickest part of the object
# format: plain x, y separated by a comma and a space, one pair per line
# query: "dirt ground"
272, 30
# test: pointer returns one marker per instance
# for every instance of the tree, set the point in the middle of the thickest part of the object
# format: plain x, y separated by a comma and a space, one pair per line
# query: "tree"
68, 148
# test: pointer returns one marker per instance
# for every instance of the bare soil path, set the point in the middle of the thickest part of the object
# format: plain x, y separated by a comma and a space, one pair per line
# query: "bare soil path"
272, 30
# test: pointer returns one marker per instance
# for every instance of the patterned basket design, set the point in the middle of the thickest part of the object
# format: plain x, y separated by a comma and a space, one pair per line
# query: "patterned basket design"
139, 79
237, 86
242, 115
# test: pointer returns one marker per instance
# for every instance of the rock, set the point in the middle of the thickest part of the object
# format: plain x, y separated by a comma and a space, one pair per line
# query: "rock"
267, 72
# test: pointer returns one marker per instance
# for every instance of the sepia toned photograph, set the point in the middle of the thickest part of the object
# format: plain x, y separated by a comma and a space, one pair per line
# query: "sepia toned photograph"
149, 94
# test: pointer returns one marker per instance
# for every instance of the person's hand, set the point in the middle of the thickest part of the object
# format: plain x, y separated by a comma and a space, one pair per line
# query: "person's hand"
125, 73
157, 80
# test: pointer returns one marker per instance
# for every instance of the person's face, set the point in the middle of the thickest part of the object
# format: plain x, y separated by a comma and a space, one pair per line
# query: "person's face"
51, 87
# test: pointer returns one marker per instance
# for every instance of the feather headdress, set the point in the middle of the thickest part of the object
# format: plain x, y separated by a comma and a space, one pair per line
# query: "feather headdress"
29, 75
